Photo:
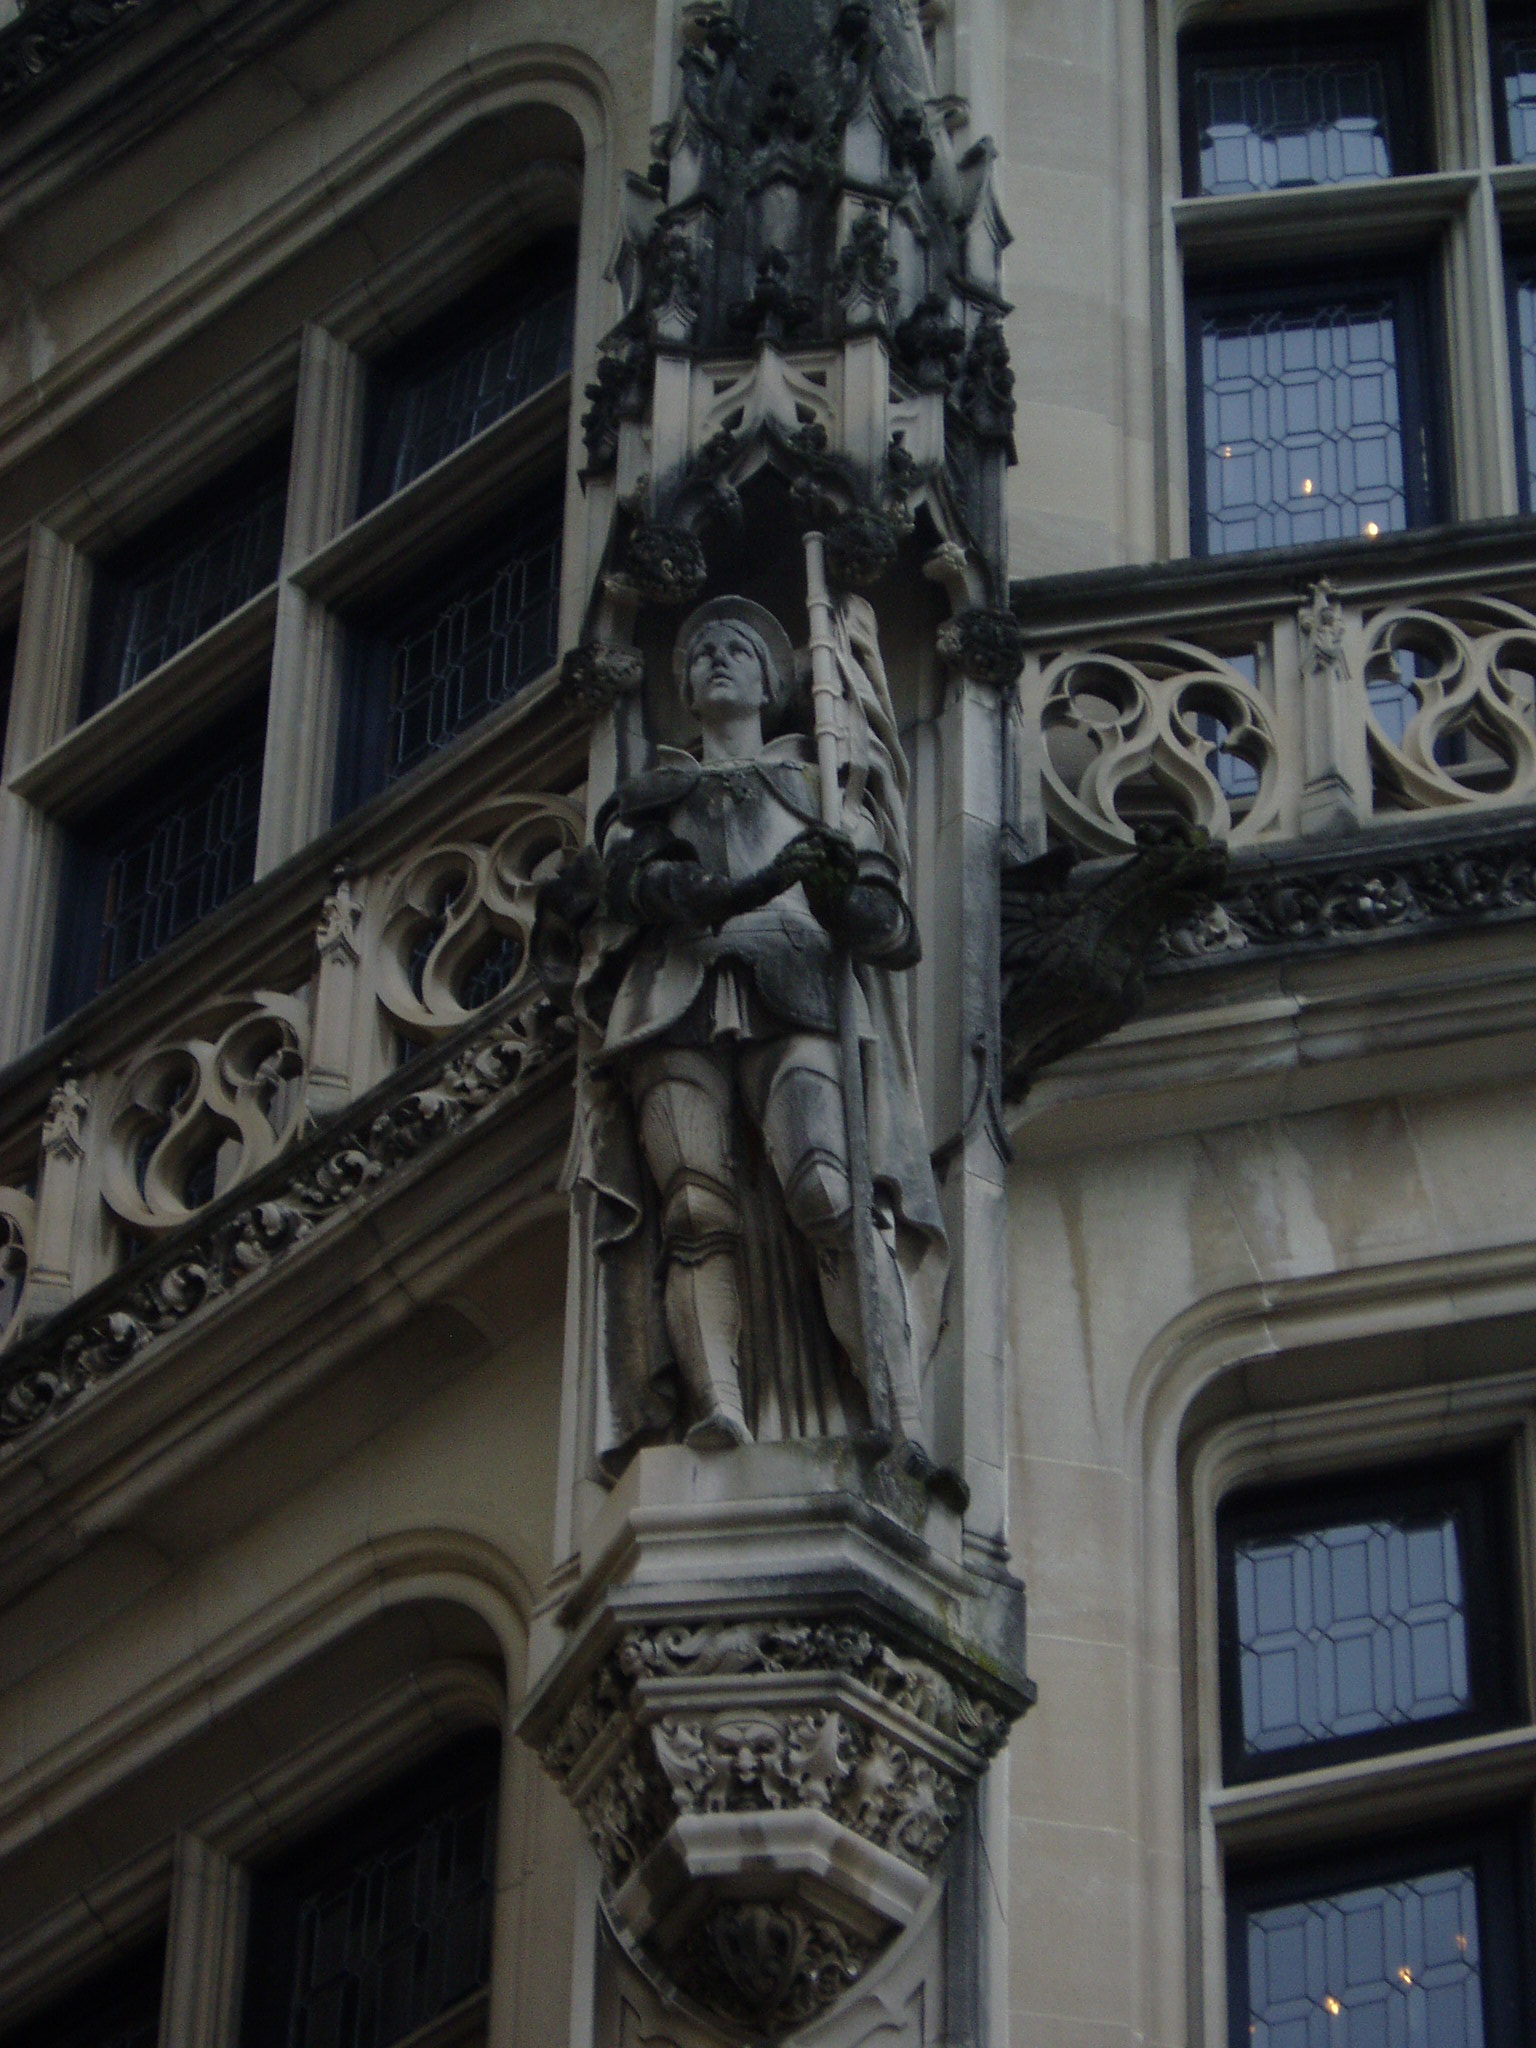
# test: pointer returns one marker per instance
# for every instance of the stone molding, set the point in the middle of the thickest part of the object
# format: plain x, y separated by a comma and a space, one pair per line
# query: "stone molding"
511, 1052
1308, 899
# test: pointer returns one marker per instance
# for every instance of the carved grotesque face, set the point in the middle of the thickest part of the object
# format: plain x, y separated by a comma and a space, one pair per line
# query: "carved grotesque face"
727, 670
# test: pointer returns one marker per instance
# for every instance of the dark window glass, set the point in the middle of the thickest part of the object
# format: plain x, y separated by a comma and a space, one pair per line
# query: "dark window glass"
165, 854
192, 569
437, 668
1513, 39
1522, 340
118, 2009
1261, 115
1417, 1948
384, 1923
1308, 418
1362, 1618
470, 368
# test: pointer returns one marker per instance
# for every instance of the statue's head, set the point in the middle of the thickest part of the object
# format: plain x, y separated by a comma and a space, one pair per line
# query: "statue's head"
732, 656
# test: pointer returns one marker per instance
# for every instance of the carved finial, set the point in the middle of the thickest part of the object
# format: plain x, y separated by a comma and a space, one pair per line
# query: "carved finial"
64, 1124
1322, 633
336, 934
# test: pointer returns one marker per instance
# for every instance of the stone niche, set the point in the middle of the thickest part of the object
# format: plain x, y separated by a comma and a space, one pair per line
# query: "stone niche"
769, 1685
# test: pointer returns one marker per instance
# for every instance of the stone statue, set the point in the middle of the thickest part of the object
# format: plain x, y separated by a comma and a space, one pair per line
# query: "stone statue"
700, 940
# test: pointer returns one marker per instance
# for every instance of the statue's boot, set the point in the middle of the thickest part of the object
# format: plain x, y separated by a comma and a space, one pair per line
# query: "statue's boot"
703, 1310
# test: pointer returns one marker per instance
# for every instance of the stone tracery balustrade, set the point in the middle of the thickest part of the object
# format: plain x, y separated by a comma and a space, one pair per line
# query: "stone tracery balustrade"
404, 958
1275, 700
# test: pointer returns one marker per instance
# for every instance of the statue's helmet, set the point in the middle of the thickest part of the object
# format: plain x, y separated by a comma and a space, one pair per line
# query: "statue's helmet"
759, 626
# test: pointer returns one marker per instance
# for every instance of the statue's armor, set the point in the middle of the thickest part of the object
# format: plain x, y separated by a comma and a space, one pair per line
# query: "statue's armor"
764, 973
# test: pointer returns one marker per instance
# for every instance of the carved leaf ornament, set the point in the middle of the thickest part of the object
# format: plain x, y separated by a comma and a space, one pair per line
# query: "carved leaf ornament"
194, 1117
457, 922
1470, 665
1156, 731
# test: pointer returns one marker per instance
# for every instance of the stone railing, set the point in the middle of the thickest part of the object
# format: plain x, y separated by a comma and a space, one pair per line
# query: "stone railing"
1303, 695
405, 956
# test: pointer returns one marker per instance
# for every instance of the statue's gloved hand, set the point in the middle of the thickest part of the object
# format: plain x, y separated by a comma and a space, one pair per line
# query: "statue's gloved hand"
856, 896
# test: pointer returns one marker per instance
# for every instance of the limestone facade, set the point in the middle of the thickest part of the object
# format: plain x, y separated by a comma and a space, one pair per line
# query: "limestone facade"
300, 1472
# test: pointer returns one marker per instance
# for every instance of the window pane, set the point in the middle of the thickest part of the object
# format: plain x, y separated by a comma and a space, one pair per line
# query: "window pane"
1261, 127
384, 1924
1523, 335
1388, 1966
1515, 56
185, 846
1302, 425
1349, 1630
471, 366
207, 561
482, 643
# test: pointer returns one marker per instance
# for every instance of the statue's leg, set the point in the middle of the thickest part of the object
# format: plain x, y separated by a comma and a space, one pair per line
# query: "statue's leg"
683, 1100
793, 1089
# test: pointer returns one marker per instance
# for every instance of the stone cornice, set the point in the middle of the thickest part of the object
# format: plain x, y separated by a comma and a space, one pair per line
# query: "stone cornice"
54, 38
1409, 882
516, 1049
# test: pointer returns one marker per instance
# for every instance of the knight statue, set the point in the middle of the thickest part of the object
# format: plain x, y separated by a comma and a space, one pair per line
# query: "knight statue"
731, 943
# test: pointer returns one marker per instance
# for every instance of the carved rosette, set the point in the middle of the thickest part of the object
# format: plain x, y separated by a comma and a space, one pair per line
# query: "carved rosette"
768, 1800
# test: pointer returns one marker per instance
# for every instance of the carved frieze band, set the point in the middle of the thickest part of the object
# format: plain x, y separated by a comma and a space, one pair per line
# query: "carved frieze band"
52, 37
1347, 896
237, 1240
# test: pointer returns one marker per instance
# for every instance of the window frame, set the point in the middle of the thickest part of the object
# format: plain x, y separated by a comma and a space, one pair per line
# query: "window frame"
1495, 1845
1344, 36
1420, 353
1482, 1484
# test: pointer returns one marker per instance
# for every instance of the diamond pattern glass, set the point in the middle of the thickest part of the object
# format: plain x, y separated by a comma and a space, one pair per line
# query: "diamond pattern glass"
400, 1937
1516, 57
1302, 426
165, 603
471, 387
1350, 1630
1387, 1966
1262, 127
174, 862
482, 642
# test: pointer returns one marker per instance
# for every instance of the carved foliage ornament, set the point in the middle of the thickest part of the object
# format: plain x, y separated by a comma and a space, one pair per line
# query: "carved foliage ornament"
191, 1118
18, 1223
388, 1129
456, 923
1156, 730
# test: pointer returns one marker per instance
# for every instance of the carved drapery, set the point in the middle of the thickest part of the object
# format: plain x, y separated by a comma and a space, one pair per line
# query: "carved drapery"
1157, 730
456, 922
191, 1118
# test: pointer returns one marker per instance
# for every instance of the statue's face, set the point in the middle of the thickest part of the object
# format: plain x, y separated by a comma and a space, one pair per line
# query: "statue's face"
725, 671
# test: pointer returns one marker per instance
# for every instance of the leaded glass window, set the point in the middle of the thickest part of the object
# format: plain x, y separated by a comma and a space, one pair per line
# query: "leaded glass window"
1514, 65
1308, 421
7, 681
1360, 1620
1522, 335
471, 368
1261, 127
118, 2009
209, 558
476, 636
384, 1924
168, 853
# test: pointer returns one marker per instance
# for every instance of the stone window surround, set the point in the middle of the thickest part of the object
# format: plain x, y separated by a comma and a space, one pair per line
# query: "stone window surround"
1428, 1784
1451, 223
194, 1887
288, 633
